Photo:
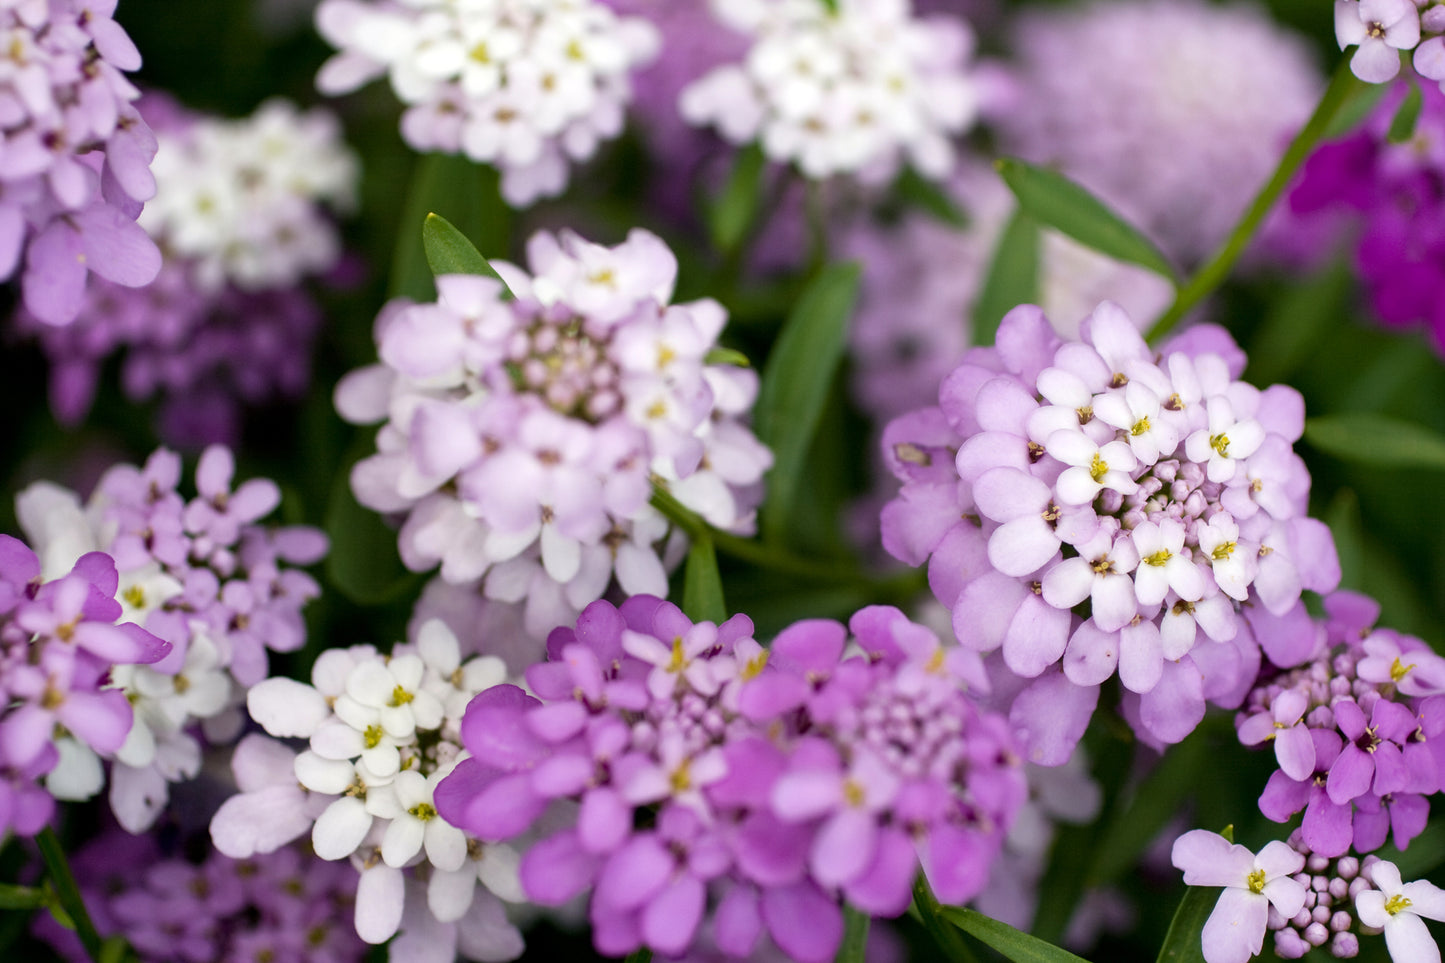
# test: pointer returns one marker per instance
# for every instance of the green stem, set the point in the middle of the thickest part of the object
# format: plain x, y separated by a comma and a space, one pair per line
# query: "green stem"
766, 557
640, 955
944, 933
58, 869
855, 937
1217, 269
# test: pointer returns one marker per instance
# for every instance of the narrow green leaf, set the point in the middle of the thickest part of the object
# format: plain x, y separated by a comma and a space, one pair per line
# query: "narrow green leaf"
1376, 440
732, 214
363, 562
702, 591
449, 252
727, 356
640, 955
114, 950
67, 894
1183, 943
917, 191
1058, 202
1017, 946
1358, 104
1013, 276
1290, 332
469, 196
855, 937
796, 381
945, 934
21, 897
1402, 125
1348, 530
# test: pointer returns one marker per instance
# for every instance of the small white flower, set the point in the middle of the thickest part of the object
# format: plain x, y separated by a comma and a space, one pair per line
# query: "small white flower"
1397, 909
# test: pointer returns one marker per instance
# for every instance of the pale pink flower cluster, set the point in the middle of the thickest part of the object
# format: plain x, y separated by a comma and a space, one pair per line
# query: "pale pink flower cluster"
526, 423
859, 90
523, 85
1381, 30
382, 731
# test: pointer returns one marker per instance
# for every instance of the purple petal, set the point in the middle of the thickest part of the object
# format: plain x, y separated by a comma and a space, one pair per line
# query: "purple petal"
1352, 772
806, 924
670, 920
557, 869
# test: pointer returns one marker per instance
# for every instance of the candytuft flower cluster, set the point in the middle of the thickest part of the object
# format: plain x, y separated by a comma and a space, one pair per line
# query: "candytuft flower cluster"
382, 732
746, 787
1093, 508
77, 155
858, 90
526, 419
522, 85
203, 575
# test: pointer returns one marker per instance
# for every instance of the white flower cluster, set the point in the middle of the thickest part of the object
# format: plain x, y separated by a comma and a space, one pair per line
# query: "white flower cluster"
522, 85
382, 731
243, 199
856, 91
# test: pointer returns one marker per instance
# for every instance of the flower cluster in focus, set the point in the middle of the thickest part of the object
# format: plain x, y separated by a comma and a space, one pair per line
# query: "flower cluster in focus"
746, 787
526, 421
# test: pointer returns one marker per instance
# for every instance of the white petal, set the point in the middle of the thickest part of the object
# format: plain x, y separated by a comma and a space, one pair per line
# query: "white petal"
260, 822
340, 829
402, 840
449, 894
287, 708
380, 897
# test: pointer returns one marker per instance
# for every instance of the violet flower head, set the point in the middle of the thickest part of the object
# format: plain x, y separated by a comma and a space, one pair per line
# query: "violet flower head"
774, 782
204, 575
1175, 112
858, 90
524, 86
59, 644
525, 424
1093, 507
77, 156
1252, 885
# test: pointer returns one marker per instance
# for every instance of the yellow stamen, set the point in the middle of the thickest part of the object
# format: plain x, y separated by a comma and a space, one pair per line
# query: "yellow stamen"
135, 596
1220, 443
372, 736
1140, 426
853, 793
400, 697
679, 660
1395, 903
1398, 671
754, 666
1222, 551
1159, 558
1098, 468
1256, 881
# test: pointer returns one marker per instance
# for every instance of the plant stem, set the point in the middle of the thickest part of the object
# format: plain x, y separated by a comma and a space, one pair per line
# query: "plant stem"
944, 933
855, 937
1213, 273
58, 869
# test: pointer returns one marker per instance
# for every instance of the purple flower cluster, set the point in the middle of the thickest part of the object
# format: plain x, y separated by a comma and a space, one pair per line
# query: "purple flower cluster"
1357, 728
1091, 507
1398, 192
726, 787
280, 906
59, 641
77, 154
526, 423
203, 575
1381, 29
1331, 886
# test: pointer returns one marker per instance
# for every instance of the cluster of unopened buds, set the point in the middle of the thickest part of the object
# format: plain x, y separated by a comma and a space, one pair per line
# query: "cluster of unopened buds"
1091, 508
59, 642
527, 419
522, 85
382, 731
856, 90
203, 575
753, 789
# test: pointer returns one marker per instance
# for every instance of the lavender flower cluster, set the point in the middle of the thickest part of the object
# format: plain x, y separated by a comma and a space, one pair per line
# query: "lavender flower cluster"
199, 573
77, 154
522, 85
1380, 30
59, 640
280, 906
527, 418
725, 786
1091, 508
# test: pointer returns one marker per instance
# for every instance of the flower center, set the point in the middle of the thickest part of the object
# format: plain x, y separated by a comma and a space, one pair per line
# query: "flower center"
1222, 551
400, 697
1220, 443
1256, 881
423, 811
372, 736
1398, 671
1140, 427
754, 666
853, 792
1098, 468
135, 596
1159, 558
1395, 903
679, 660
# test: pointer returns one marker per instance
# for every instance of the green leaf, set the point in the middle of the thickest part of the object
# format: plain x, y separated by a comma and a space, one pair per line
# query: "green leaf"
1013, 944
733, 212
1290, 331
917, 191
796, 381
1348, 530
702, 591
68, 906
1183, 944
1013, 276
1378, 441
727, 356
363, 562
855, 937
1359, 103
944, 933
1155, 802
21, 897
449, 252
114, 950
469, 197
1057, 202
1402, 125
